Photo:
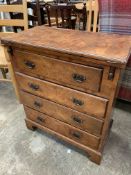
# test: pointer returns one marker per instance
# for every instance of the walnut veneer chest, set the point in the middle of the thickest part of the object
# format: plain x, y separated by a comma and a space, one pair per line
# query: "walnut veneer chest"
67, 82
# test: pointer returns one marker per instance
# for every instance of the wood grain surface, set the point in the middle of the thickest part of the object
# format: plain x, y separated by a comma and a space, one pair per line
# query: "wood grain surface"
100, 46
67, 115
76, 100
68, 82
66, 73
63, 128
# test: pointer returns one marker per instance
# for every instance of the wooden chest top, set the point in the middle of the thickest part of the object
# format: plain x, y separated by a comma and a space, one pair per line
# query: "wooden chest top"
110, 48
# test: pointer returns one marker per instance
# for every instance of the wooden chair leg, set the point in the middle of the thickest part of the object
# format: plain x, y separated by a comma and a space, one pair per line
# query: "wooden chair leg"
12, 74
11, 71
3, 73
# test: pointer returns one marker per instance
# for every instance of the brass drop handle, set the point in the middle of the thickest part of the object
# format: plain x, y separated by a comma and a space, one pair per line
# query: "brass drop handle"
78, 78
76, 135
77, 120
40, 119
77, 102
33, 86
37, 104
29, 64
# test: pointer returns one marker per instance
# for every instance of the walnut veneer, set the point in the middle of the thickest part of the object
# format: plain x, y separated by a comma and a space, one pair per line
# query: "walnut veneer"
68, 81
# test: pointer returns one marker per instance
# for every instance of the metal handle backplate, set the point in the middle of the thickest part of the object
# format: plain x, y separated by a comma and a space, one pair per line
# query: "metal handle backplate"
78, 78
40, 119
33, 86
10, 50
76, 134
29, 64
77, 102
76, 119
37, 104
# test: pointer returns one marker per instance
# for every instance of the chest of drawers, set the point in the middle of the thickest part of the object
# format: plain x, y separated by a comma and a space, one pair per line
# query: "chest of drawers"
68, 81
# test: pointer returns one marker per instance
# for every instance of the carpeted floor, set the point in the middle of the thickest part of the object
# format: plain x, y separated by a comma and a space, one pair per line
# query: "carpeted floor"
23, 152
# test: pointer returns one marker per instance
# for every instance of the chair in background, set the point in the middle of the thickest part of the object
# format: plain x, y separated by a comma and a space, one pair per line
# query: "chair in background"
34, 13
66, 15
36, 17
4, 61
60, 15
93, 13
92, 8
81, 16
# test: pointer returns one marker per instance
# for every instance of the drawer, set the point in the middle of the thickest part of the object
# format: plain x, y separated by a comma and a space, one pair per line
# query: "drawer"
63, 128
72, 117
79, 101
70, 74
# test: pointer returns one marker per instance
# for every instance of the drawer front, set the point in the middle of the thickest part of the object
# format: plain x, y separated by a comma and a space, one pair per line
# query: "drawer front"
73, 75
71, 98
63, 128
72, 117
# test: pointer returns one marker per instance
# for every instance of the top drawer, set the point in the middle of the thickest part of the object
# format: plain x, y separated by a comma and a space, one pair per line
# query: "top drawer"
65, 73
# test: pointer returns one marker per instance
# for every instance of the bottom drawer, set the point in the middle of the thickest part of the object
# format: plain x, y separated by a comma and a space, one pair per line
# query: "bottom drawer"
62, 113
63, 128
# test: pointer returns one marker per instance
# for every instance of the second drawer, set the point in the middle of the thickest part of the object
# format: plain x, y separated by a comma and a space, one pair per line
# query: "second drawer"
77, 119
77, 100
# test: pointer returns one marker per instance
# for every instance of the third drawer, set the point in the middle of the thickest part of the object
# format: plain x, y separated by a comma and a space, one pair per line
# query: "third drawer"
72, 117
